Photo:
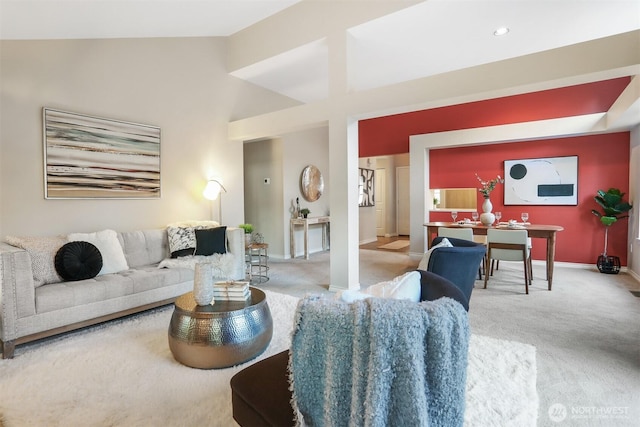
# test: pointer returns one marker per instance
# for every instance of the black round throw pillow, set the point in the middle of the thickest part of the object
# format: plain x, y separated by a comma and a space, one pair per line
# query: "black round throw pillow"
78, 261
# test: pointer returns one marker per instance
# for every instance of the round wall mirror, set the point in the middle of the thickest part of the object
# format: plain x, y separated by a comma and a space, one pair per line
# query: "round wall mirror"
311, 183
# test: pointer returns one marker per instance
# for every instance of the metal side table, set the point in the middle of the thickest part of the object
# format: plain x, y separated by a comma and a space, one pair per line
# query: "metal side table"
257, 262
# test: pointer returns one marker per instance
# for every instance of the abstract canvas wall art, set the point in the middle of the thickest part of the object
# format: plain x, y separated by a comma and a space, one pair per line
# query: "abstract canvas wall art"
92, 157
366, 194
544, 181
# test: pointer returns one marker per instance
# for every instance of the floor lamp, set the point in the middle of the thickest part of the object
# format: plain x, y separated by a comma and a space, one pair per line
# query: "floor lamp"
211, 192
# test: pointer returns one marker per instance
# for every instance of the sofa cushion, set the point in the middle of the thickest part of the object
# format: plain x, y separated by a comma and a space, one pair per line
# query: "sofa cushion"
113, 260
65, 295
42, 251
78, 261
144, 247
211, 241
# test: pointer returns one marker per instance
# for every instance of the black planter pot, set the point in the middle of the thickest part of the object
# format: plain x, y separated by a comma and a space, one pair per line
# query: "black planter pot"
608, 264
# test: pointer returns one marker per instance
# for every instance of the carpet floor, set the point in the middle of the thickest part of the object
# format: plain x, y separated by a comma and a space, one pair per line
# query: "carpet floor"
123, 374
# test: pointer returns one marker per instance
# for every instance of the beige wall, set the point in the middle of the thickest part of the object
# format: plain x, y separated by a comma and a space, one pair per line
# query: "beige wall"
180, 85
263, 202
269, 207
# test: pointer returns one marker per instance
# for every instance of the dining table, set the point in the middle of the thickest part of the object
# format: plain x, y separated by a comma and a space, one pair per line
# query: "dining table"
547, 232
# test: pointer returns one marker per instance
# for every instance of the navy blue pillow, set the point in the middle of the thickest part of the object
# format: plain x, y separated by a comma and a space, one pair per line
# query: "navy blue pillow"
78, 261
211, 241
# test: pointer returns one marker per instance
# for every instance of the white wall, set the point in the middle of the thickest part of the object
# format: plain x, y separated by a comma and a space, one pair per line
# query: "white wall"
180, 85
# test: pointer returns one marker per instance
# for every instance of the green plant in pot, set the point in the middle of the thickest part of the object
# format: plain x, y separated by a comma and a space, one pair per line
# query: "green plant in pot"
613, 209
305, 212
248, 230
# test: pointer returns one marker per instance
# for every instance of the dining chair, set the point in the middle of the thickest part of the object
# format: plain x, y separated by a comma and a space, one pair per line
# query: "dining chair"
529, 245
508, 245
458, 233
464, 234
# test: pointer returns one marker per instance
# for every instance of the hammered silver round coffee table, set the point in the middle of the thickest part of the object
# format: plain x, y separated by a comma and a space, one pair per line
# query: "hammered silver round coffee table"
222, 334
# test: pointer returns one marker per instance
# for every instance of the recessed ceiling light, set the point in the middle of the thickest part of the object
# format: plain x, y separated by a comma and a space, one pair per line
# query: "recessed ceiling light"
501, 31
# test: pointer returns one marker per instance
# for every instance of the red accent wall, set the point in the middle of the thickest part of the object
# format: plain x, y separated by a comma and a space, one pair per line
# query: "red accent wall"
390, 134
603, 162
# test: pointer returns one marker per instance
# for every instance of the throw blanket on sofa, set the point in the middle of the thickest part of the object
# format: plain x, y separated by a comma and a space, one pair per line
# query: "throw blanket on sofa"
379, 362
223, 264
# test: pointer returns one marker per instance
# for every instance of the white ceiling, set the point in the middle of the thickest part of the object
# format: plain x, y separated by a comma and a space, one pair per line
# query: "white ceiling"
90, 19
432, 37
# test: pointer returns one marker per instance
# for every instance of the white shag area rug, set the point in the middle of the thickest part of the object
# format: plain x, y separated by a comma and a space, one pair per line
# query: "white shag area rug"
123, 374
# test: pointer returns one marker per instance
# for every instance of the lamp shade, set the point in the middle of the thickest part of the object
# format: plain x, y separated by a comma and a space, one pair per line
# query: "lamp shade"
212, 190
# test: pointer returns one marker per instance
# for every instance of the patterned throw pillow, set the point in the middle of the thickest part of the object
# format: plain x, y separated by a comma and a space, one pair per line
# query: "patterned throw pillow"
182, 236
42, 251
182, 241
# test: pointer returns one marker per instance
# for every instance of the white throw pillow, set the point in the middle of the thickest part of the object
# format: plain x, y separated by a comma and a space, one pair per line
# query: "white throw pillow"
424, 263
406, 286
113, 259
351, 296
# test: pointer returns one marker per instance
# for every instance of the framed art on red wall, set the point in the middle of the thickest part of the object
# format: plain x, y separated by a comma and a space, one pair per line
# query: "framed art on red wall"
542, 181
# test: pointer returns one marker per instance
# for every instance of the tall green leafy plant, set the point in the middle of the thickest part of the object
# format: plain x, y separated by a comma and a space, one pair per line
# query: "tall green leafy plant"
613, 209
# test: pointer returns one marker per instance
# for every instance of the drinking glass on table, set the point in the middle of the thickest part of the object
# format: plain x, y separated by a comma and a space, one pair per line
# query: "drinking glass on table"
474, 215
524, 216
454, 215
498, 216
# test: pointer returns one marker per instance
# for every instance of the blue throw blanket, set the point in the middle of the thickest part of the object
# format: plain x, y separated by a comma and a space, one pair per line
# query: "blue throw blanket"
379, 362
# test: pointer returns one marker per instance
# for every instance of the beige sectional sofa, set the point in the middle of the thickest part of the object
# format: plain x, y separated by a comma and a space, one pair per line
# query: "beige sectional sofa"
30, 309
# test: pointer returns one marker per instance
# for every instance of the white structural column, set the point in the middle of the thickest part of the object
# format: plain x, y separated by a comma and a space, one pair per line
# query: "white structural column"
343, 155
345, 258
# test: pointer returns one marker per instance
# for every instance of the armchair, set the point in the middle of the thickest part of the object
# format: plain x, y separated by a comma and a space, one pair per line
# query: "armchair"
261, 394
458, 263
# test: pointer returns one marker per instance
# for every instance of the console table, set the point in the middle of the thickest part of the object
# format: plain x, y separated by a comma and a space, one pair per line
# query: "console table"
305, 223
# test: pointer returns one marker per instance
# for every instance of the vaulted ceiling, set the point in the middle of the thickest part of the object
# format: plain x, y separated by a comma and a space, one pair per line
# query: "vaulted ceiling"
422, 39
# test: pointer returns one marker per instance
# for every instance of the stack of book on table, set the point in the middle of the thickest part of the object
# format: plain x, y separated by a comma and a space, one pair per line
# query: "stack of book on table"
231, 291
